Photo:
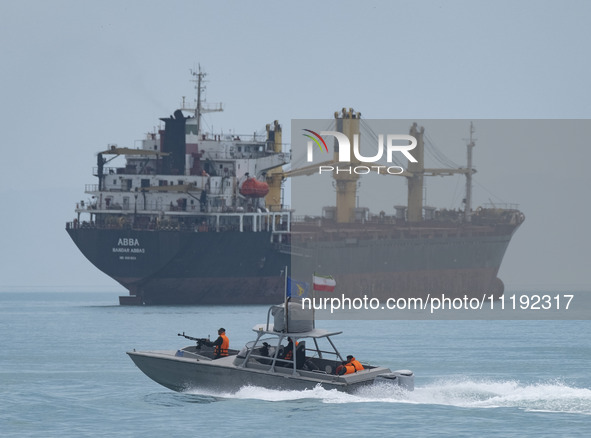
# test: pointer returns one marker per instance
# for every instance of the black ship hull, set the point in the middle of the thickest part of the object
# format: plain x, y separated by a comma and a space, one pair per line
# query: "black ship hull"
187, 267
183, 267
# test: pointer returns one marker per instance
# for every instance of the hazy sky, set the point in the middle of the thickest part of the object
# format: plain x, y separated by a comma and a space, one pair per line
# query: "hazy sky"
78, 75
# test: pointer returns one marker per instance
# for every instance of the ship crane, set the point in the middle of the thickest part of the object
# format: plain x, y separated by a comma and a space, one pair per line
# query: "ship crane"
346, 183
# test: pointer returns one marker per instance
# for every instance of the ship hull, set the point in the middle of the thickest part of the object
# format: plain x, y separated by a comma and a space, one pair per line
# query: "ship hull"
187, 267
183, 267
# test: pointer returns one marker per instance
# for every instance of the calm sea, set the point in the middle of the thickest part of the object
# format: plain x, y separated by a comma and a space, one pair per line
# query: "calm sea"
64, 373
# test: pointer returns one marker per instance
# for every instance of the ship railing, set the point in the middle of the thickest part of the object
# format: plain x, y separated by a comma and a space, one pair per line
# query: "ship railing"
246, 138
307, 219
501, 206
72, 225
277, 223
150, 208
109, 170
129, 169
495, 216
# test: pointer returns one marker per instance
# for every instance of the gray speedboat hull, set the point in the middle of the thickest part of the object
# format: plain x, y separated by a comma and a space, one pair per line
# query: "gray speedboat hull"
310, 359
186, 373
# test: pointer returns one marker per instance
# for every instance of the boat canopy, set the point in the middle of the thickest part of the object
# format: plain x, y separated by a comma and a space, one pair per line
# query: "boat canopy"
265, 329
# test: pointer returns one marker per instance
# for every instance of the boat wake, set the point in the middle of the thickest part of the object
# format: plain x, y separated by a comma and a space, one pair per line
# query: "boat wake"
539, 397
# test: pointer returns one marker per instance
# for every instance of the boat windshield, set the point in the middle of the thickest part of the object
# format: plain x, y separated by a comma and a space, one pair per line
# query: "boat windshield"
312, 350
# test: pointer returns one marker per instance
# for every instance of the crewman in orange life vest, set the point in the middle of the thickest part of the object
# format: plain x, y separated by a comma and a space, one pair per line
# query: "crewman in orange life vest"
288, 350
351, 366
221, 344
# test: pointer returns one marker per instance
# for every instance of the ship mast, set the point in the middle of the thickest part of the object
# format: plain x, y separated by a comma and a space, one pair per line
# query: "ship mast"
468, 203
200, 108
200, 76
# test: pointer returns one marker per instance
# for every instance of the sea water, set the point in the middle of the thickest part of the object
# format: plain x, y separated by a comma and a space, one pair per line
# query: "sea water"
64, 373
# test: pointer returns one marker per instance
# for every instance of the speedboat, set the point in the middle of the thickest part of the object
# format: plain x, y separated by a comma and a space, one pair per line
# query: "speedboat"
264, 362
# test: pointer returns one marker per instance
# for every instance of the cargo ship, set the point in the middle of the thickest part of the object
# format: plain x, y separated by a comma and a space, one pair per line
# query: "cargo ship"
193, 217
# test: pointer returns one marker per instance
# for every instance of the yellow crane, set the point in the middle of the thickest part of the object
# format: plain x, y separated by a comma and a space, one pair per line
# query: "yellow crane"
347, 122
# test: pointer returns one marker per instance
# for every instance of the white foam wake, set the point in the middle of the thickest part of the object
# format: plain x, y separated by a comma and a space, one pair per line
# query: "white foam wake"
466, 393
543, 396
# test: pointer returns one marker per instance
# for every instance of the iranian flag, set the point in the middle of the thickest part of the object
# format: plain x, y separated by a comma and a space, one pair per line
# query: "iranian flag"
324, 283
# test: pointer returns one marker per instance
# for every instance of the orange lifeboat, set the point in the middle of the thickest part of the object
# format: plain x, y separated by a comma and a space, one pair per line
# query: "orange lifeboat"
254, 189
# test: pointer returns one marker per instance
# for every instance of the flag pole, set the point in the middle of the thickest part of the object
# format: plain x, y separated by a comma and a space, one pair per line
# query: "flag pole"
285, 301
313, 300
